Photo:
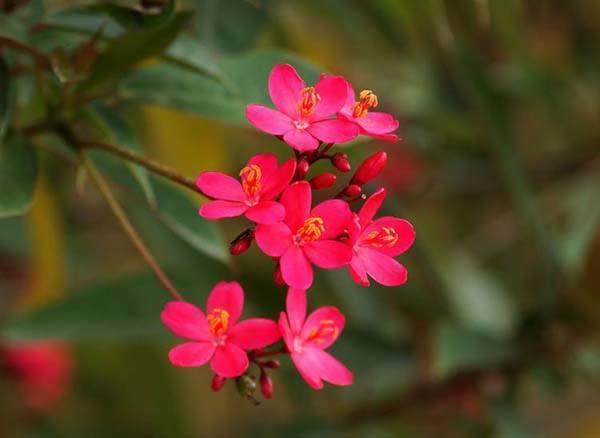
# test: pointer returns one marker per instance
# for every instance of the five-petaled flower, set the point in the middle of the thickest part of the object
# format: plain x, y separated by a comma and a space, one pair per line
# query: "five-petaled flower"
376, 242
374, 124
217, 337
303, 115
306, 236
307, 338
262, 180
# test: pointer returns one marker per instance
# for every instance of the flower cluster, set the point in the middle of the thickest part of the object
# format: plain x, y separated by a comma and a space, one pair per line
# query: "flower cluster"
277, 198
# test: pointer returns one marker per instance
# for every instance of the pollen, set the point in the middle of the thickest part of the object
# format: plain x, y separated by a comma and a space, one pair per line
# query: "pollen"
366, 100
327, 330
218, 321
311, 229
251, 179
308, 101
385, 236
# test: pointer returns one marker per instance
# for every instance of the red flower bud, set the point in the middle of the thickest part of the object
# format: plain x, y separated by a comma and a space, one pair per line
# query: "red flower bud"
266, 385
217, 382
340, 162
277, 277
370, 168
242, 242
323, 181
301, 169
273, 363
352, 191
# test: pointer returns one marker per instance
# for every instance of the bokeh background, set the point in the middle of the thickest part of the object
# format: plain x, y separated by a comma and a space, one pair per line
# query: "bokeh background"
496, 331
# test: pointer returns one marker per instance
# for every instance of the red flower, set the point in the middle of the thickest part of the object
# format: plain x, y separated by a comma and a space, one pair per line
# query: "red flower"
375, 243
262, 180
217, 337
307, 338
304, 113
41, 369
371, 123
306, 236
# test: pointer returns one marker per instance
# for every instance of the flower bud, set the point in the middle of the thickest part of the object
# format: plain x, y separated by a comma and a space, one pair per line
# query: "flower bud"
340, 162
301, 169
272, 363
369, 168
217, 383
323, 181
242, 242
277, 277
266, 385
352, 191
246, 386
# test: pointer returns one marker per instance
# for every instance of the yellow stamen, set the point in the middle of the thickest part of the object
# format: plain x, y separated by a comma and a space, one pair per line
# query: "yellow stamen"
366, 100
326, 329
218, 321
308, 101
311, 229
386, 236
251, 179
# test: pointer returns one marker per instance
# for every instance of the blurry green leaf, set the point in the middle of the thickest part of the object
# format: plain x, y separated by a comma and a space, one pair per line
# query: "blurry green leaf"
121, 133
243, 80
62, 66
5, 98
131, 18
18, 172
186, 51
509, 422
124, 52
459, 349
120, 310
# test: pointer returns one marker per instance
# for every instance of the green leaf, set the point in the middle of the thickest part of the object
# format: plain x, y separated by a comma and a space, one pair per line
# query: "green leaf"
242, 80
18, 172
121, 133
124, 309
5, 98
124, 52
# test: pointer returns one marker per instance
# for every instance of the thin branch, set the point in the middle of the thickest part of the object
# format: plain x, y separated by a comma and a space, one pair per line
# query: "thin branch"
128, 227
39, 57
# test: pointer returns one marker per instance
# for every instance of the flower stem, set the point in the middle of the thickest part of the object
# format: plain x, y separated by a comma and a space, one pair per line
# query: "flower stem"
128, 227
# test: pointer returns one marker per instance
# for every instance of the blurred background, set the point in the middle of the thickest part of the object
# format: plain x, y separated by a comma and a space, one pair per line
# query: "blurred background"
496, 331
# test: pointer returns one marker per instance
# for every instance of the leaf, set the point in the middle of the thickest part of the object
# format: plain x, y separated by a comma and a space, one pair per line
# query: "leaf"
124, 309
124, 52
121, 133
18, 172
5, 98
243, 80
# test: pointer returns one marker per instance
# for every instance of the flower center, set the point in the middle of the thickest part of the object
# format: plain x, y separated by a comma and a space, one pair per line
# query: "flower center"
327, 329
297, 347
218, 321
251, 179
385, 236
366, 100
311, 229
308, 101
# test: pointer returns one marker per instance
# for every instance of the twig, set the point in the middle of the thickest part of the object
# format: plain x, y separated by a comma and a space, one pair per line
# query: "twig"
39, 57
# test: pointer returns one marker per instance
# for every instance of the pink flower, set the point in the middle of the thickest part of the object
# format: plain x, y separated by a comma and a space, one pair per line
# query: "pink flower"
41, 369
303, 116
375, 243
307, 338
371, 123
262, 180
306, 236
217, 337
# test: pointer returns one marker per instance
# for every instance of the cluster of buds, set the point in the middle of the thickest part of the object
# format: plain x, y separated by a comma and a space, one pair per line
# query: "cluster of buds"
277, 199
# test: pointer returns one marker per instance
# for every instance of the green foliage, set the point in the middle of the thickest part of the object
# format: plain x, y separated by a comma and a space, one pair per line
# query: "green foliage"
18, 172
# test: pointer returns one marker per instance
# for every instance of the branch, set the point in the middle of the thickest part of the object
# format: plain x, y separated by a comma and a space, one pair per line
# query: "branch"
39, 57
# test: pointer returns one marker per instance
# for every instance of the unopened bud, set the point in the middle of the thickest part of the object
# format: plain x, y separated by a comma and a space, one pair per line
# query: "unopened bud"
301, 168
352, 191
369, 168
340, 162
217, 383
323, 181
246, 386
266, 385
272, 363
277, 277
241, 243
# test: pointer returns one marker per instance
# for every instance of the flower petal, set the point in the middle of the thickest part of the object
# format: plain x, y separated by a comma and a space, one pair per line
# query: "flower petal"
335, 214
305, 367
229, 361
378, 123
358, 271
403, 235
332, 91
328, 254
285, 85
222, 209
185, 320
227, 296
267, 163
350, 99
295, 304
334, 130
371, 206
254, 333
323, 327
266, 212
220, 186
296, 199
300, 140
273, 239
328, 368
191, 354
384, 269
281, 178
295, 269
268, 120
286, 332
